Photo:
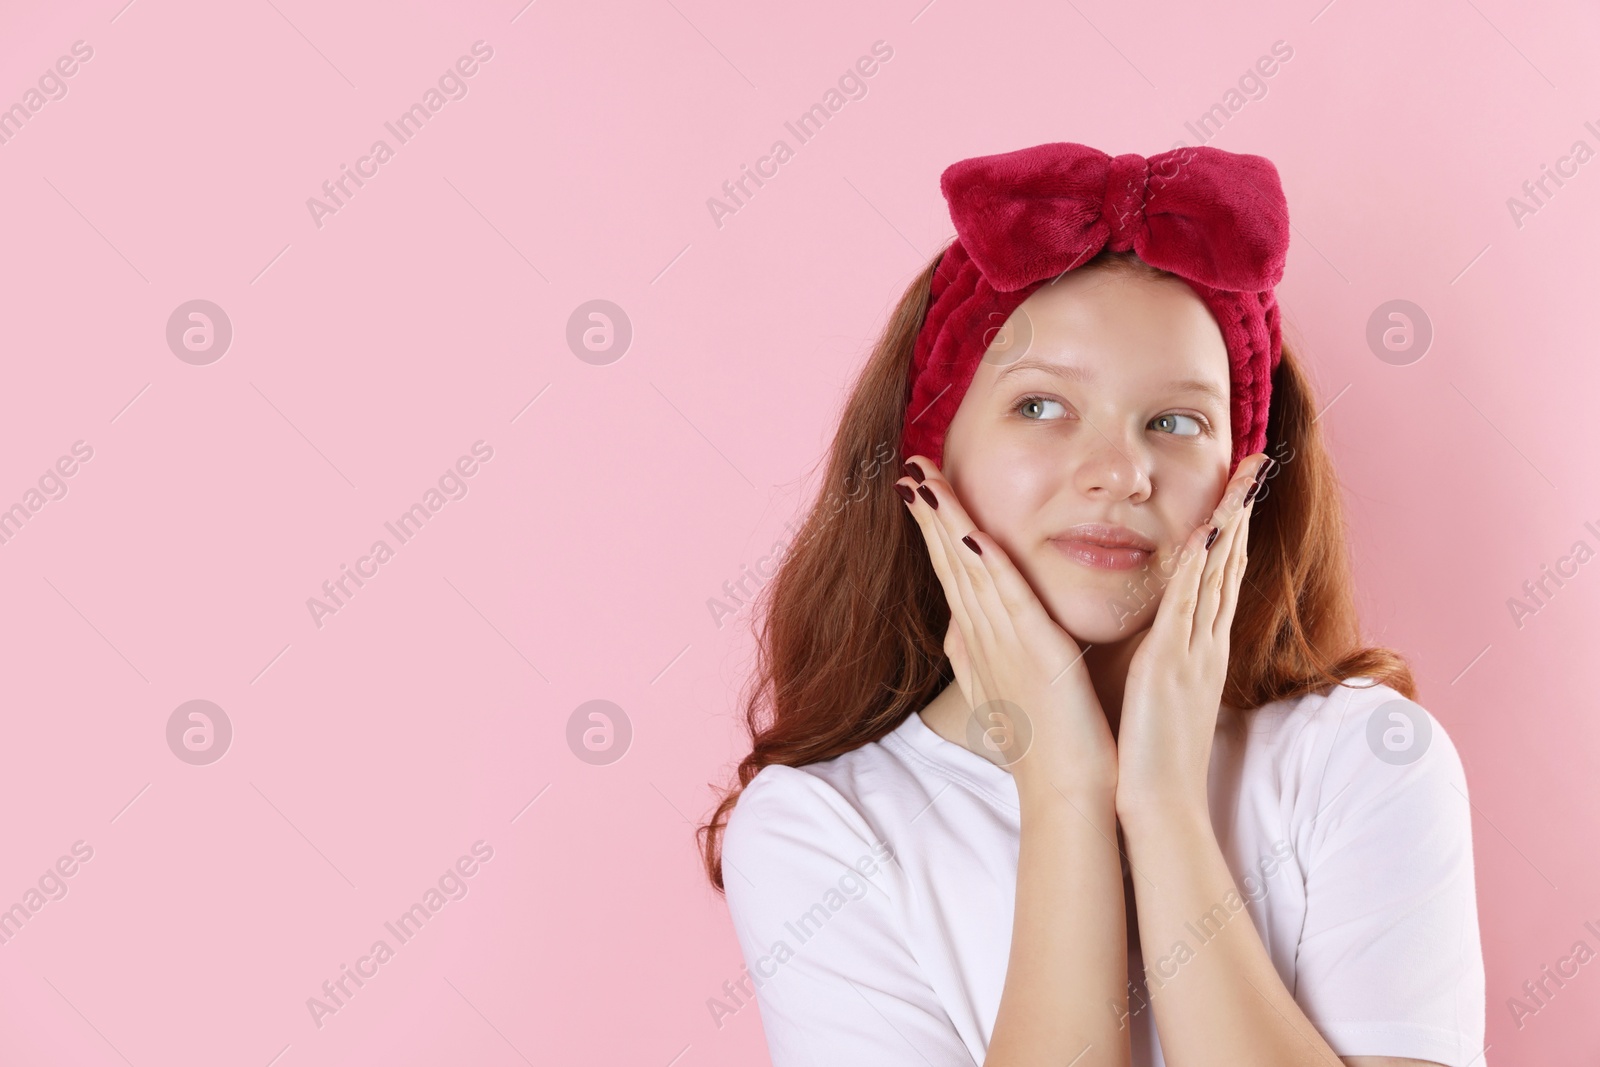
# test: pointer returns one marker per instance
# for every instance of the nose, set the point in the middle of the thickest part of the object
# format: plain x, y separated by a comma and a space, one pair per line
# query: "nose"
1114, 468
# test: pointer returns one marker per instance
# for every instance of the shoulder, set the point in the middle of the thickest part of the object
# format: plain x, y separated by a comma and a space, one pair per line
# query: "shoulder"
1364, 756
1358, 724
793, 842
855, 796
783, 802
793, 818
820, 906
1361, 726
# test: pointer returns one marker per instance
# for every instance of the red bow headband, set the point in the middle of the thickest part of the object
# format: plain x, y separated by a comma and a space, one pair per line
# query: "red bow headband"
1216, 219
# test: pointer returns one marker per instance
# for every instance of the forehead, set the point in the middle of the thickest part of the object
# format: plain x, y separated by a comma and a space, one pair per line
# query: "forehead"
1141, 323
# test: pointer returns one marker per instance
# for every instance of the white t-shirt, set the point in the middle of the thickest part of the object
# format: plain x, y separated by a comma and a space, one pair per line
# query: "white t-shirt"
873, 894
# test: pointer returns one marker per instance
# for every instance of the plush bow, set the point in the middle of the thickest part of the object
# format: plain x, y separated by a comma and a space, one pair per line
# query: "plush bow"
1218, 218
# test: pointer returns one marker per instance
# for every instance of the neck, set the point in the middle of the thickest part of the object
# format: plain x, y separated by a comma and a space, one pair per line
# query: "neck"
1108, 673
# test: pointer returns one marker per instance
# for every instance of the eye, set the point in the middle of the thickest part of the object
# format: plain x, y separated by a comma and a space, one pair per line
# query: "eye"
1167, 421
1035, 403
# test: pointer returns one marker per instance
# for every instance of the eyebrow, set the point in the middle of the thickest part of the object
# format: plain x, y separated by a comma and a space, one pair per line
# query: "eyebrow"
1075, 373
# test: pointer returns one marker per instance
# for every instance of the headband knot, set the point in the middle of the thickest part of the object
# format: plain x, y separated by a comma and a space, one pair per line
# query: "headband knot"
1216, 219
1123, 208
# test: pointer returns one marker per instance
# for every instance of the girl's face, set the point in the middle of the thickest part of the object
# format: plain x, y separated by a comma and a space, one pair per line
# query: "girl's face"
1099, 415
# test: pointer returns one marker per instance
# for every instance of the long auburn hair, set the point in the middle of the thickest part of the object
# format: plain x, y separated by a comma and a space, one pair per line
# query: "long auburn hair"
850, 637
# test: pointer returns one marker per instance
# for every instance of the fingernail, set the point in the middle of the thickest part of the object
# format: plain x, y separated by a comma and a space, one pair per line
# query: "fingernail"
915, 471
1212, 536
927, 494
970, 543
1250, 493
1261, 474
904, 491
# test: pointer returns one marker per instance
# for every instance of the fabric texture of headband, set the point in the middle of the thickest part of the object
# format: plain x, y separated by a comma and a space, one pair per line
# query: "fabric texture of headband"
1216, 219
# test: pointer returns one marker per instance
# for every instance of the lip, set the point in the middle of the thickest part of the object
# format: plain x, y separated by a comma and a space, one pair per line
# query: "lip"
1105, 547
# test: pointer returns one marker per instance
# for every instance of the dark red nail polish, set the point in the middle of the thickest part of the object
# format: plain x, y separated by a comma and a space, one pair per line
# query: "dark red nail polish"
1212, 536
970, 543
904, 491
1250, 494
915, 472
927, 494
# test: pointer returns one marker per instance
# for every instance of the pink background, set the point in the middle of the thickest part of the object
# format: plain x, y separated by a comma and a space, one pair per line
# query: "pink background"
368, 354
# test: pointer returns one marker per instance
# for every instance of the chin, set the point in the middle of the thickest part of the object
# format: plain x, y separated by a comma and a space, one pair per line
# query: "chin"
1100, 616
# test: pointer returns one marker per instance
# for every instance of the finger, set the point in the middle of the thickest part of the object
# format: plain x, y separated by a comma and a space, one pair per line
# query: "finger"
1174, 623
965, 567
970, 569
1233, 576
1017, 601
1231, 511
1238, 552
1006, 601
944, 553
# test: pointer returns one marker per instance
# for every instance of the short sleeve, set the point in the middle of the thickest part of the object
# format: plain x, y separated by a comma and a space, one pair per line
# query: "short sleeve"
815, 899
1389, 960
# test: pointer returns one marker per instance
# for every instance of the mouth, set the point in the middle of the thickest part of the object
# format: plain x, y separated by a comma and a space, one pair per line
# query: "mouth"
1103, 547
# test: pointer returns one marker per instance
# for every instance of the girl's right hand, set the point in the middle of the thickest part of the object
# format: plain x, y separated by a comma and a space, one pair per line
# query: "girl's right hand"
1021, 673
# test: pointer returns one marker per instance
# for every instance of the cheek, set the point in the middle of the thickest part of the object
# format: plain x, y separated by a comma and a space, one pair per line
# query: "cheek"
1003, 495
1190, 501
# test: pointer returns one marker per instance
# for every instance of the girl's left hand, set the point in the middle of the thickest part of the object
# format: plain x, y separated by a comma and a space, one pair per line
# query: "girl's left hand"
1175, 679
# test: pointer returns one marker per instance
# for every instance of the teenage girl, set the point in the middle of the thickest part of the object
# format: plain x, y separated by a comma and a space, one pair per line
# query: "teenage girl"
1066, 748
